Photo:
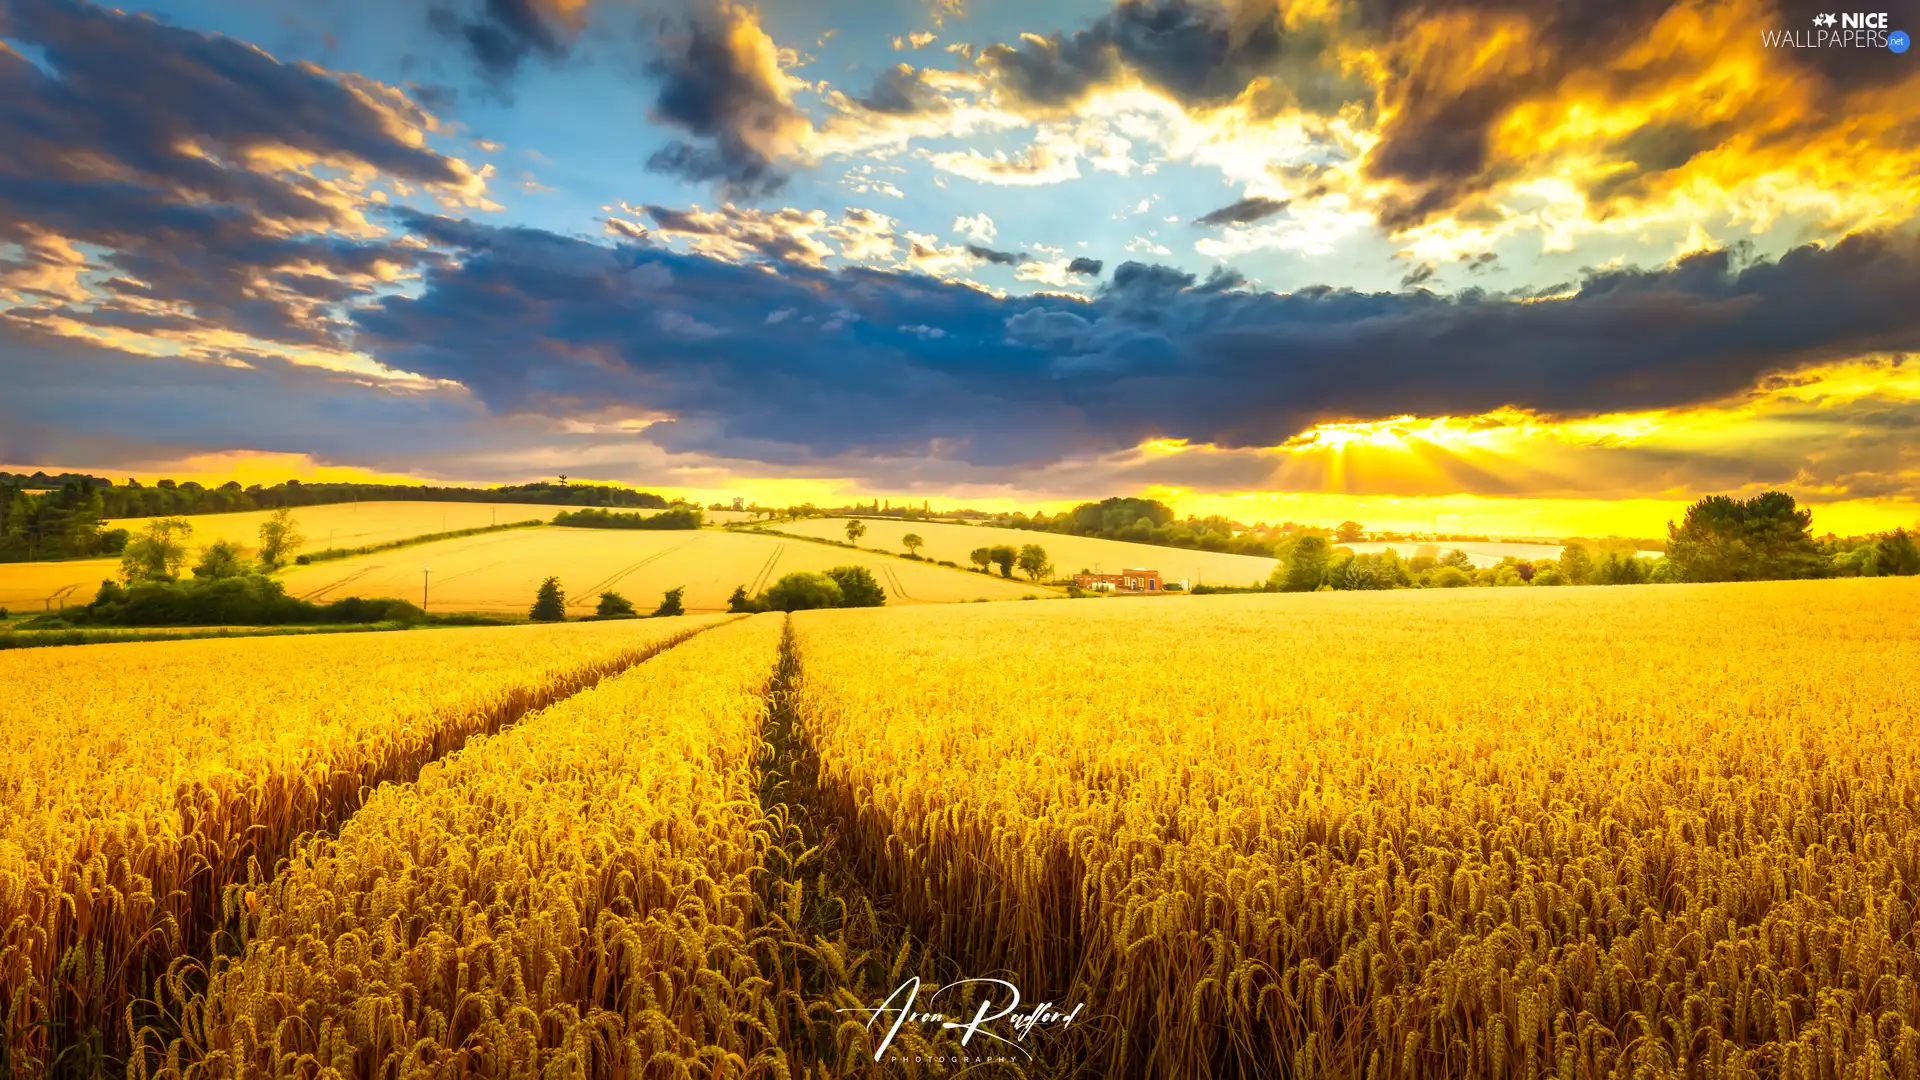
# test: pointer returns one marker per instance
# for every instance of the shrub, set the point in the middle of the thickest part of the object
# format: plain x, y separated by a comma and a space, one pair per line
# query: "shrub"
355, 609
857, 587
800, 591
613, 605
550, 603
670, 603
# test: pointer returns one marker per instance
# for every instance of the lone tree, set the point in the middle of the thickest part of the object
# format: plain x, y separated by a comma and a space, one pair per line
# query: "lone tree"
1308, 566
157, 552
279, 538
855, 530
912, 543
670, 603
1759, 539
1004, 557
550, 604
741, 602
612, 604
857, 587
1033, 562
1349, 532
981, 557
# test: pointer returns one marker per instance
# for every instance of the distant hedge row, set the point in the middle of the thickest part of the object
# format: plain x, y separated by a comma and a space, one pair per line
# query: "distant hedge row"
686, 517
425, 538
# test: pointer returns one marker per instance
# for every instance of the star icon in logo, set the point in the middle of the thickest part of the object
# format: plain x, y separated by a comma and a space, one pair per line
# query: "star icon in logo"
1826, 20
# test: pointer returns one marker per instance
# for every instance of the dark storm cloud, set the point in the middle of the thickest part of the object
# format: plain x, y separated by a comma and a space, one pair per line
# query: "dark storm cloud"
1197, 52
1418, 276
719, 83
1247, 210
807, 364
1440, 109
1438, 138
1222, 278
901, 90
997, 258
504, 33
132, 138
1437, 141
1085, 266
1148, 279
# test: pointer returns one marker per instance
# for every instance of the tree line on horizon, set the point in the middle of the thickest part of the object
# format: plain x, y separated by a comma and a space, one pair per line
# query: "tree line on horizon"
1720, 538
42, 519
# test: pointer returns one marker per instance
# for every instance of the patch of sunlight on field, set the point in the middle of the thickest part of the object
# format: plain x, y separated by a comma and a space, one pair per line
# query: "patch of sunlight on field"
1069, 554
500, 572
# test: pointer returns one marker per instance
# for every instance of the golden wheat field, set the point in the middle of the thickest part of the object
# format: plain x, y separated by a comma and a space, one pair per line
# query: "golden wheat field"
574, 895
37, 586
1069, 554
1647, 832
138, 779
1664, 832
41, 586
499, 572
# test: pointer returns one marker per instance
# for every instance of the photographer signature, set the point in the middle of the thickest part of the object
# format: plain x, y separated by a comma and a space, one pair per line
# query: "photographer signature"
902, 1006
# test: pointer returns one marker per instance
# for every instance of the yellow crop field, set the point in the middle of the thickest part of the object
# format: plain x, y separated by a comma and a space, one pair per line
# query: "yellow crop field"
35, 586
500, 571
38, 586
575, 896
140, 779
1069, 554
1648, 832
1665, 832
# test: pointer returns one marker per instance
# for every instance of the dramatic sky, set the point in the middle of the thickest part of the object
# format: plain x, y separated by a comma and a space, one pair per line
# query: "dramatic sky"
1503, 265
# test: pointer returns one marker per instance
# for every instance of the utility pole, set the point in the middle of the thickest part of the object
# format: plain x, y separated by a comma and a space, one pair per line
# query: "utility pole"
426, 578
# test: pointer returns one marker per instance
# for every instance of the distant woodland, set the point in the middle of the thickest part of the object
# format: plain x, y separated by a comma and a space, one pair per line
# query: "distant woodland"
62, 516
